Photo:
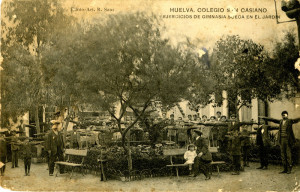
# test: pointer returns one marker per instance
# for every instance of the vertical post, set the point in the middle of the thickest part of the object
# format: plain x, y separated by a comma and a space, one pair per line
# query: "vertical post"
298, 26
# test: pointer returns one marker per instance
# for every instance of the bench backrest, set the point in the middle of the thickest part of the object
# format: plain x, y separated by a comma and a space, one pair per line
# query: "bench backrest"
76, 152
174, 152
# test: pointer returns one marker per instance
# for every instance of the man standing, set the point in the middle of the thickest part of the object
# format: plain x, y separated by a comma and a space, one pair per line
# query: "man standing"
203, 158
55, 147
286, 139
263, 142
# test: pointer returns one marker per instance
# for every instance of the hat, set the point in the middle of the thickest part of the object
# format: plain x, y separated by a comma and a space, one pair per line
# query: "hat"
54, 122
233, 115
198, 132
190, 145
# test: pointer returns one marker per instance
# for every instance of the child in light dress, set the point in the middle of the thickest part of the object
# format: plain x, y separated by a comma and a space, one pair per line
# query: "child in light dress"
189, 156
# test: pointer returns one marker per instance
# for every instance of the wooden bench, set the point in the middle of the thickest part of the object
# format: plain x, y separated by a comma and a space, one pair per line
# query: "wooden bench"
72, 152
181, 151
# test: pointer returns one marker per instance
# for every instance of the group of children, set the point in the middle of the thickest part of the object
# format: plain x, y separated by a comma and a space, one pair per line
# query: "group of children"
238, 148
17, 145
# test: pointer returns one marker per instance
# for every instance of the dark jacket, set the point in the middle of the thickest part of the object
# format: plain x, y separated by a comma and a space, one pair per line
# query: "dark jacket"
262, 139
289, 129
14, 143
236, 140
3, 148
246, 140
202, 146
26, 149
55, 142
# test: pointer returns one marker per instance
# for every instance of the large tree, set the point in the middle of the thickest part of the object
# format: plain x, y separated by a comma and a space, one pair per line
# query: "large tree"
127, 63
245, 70
238, 68
30, 28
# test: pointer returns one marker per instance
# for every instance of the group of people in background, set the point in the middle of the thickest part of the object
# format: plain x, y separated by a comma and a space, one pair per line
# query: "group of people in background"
197, 156
238, 145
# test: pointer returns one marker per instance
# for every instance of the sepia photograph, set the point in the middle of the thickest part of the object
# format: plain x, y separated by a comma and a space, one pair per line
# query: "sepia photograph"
150, 95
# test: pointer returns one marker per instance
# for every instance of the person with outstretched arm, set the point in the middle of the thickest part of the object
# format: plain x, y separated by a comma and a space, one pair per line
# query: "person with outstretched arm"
286, 139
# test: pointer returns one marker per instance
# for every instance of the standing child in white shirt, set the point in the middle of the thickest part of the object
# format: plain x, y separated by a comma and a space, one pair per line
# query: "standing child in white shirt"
189, 156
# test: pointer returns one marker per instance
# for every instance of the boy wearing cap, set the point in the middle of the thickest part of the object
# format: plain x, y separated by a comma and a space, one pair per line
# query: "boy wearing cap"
286, 139
15, 150
27, 154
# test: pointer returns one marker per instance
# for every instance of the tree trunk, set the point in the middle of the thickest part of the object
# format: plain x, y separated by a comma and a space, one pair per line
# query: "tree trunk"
37, 121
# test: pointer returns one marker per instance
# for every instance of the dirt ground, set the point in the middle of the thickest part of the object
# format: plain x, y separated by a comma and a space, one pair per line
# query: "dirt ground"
249, 180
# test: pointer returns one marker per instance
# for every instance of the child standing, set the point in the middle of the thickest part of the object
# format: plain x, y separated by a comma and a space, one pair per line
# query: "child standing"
26, 149
189, 156
27, 156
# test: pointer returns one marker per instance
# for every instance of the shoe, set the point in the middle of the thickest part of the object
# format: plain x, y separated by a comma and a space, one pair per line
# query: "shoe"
191, 175
17, 166
28, 174
260, 167
207, 178
288, 172
12, 167
264, 168
25, 174
284, 171
50, 174
235, 173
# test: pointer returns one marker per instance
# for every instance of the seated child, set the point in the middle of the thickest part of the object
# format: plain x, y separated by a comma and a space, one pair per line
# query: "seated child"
189, 156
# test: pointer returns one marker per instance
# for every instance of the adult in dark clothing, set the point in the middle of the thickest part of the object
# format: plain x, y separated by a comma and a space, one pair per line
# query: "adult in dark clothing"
3, 153
263, 143
203, 158
245, 143
286, 139
55, 147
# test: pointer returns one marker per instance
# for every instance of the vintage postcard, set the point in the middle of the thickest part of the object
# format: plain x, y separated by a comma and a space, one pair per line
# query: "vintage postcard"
150, 95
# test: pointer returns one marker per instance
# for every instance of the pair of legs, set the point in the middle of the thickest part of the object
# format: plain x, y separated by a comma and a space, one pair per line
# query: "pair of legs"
246, 150
14, 158
286, 155
236, 160
52, 159
3, 160
201, 165
27, 163
263, 155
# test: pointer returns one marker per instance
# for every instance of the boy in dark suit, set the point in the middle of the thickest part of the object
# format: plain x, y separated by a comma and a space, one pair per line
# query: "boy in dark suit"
14, 150
27, 154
